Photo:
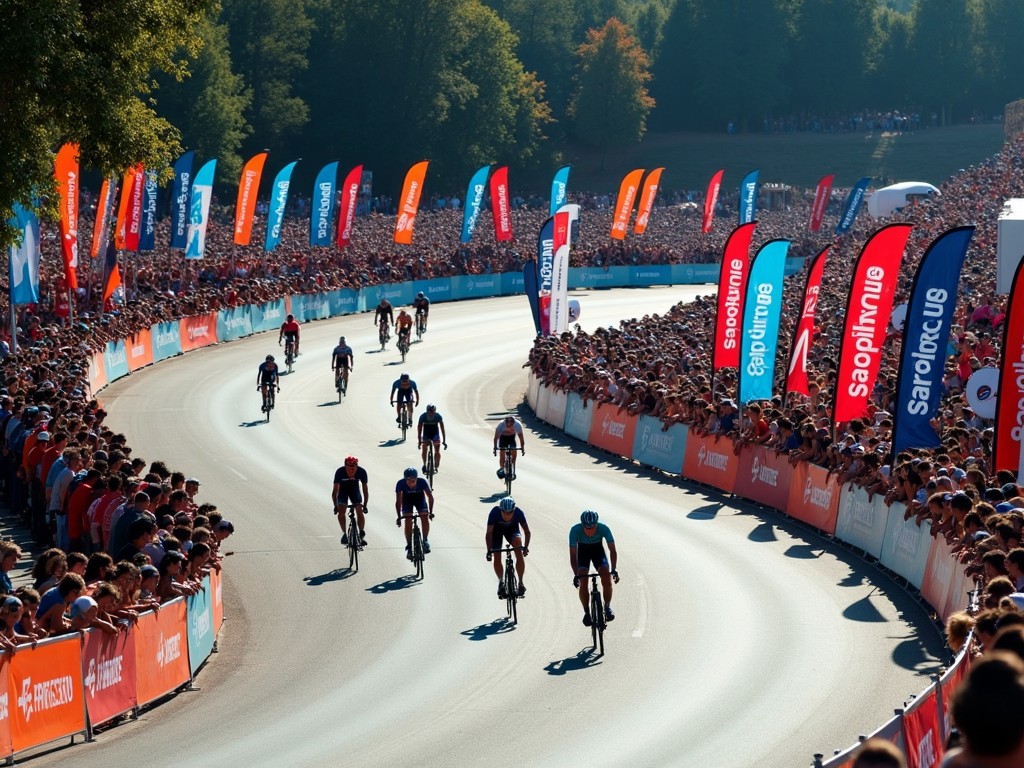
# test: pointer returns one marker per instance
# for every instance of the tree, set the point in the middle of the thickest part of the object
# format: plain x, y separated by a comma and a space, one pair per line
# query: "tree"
82, 73
611, 103
999, 54
209, 107
942, 52
269, 47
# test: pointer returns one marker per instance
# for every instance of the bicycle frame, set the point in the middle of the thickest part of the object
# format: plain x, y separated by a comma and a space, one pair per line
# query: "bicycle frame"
415, 540
354, 539
511, 583
597, 620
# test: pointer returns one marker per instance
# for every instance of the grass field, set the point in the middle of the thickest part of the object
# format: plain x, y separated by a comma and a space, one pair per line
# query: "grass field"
796, 158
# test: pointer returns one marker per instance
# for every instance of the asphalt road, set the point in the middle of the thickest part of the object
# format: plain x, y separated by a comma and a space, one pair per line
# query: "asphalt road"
740, 640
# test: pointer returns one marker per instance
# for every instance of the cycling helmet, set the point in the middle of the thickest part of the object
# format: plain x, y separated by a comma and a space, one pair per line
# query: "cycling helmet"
341, 340
404, 376
291, 317
588, 518
411, 472
431, 407
351, 461
419, 295
270, 358
508, 504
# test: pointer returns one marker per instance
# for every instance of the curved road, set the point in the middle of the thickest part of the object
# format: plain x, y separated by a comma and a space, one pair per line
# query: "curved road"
739, 639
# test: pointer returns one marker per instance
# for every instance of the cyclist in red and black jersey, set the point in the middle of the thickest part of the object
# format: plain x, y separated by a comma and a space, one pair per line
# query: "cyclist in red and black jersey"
290, 329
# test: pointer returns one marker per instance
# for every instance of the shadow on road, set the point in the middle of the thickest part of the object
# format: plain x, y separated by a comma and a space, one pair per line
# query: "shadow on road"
493, 498
497, 627
393, 585
583, 660
392, 442
338, 574
707, 512
253, 423
329, 403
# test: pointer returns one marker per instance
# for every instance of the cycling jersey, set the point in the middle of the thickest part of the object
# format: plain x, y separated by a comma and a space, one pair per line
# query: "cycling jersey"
268, 373
503, 526
505, 431
383, 311
431, 426
341, 356
404, 323
290, 328
403, 393
422, 306
415, 497
350, 488
578, 536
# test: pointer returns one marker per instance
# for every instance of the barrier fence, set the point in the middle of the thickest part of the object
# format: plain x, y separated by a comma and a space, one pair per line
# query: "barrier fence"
65, 686
807, 493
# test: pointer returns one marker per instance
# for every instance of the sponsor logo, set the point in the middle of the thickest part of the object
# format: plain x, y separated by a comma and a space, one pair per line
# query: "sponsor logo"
4, 711
712, 459
106, 674
613, 428
750, 199
118, 356
861, 516
409, 204
352, 194
759, 363
927, 353
243, 206
282, 200
138, 350
733, 302
505, 226
166, 338
656, 442
816, 496
168, 649
764, 474
622, 215
182, 202
803, 339
649, 274
44, 696
403, 223
323, 210
905, 541
546, 265
926, 757
851, 210
201, 622
273, 312
865, 327
198, 331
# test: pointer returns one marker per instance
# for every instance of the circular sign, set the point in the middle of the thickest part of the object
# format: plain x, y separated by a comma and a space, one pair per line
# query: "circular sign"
574, 310
982, 390
899, 317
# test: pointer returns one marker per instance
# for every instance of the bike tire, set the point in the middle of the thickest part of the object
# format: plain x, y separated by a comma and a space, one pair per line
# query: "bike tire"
353, 547
597, 624
512, 590
431, 470
417, 552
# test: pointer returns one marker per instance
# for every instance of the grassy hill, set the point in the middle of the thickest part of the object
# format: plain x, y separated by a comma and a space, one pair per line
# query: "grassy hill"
930, 155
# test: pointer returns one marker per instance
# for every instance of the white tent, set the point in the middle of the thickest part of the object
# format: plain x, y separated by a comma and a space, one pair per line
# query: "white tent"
887, 200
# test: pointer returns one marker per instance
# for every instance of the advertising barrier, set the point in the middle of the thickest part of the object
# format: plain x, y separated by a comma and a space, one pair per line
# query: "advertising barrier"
710, 461
438, 289
267, 316
198, 331
764, 476
813, 497
342, 301
921, 731
115, 360
540, 410
611, 430
234, 323
558, 403
108, 674
97, 373
650, 274
691, 274
397, 293
166, 338
906, 545
475, 286
44, 692
6, 749
948, 684
939, 575
309, 306
532, 389
655, 447
513, 283
201, 634
862, 522
217, 598
577, 418
140, 350
161, 651
596, 277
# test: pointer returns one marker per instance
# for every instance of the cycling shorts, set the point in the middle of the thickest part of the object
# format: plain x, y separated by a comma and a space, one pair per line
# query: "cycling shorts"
346, 496
506, 441
590, 553
268, 378
513, 537
431, 435
293, 335
421, 508
404, 395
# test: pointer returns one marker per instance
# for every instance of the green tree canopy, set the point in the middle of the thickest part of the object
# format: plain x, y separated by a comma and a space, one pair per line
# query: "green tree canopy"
611, 103
83, 73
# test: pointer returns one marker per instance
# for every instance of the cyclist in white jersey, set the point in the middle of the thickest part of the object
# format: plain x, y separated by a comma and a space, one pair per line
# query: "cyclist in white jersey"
505, 437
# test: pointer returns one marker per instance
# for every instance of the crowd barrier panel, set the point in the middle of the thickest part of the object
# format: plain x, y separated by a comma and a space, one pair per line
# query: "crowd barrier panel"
596, 277
475, 286
166, 340
109, 674
650, 274
397, 293
217, 598
939, 575
45, 698
710, 461
234, 323
267, 316
690, 274
6, 746
892, 730
906, 545
342, 301
97, 372
140, 349
610, 429
764, 476
662, 449
512, 283
577, 417
532, 388
949, 681
198, 331
558, 404
862, 521
813, 497
161, 651
310, 306
435, 289
200, 626
922, 730
115, 360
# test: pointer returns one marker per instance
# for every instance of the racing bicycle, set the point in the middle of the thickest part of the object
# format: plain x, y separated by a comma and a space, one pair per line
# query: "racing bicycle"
421, 326
509, 468
289, 354
510, 581
341, 382
268, 399
416, 553
355, 539
403, 344
598, 620
405, 418
430, 469
385, 333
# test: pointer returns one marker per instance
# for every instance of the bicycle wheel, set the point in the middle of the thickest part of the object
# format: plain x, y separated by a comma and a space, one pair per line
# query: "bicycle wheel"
268, 406
353, 546
508, 474
512, 591
431, 471
404, 423
597, 621
417, 551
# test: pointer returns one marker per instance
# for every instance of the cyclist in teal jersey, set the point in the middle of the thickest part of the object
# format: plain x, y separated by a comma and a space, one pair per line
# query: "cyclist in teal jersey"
586, 546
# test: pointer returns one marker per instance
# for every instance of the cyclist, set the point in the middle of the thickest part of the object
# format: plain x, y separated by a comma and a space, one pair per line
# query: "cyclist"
350, 487
267, 376
505, 437
504, 522
342, 362
403, 324
586, 547
290, 331
422, 306
413, 493
383, 314
430, 430
405, 389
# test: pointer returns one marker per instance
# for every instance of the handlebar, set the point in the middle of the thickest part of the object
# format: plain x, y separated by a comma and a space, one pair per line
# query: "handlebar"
398, 520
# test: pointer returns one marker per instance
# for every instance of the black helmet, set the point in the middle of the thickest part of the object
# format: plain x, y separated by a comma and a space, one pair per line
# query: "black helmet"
419, 295
410, 472
270, 358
